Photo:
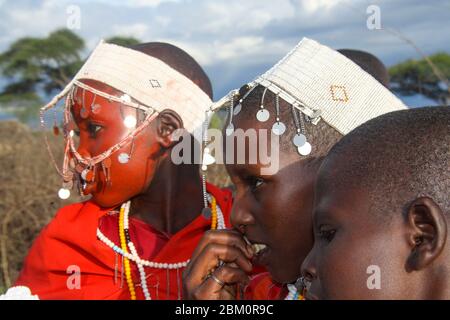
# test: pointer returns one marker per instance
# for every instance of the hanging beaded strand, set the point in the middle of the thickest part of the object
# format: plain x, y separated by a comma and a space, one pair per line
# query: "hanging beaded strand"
213, 214
230, 128
278, 127
134, 252
299, 140
263, 115
123, 243
207, 159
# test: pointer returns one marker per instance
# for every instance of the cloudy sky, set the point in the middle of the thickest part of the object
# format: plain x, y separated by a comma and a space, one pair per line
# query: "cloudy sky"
235, 40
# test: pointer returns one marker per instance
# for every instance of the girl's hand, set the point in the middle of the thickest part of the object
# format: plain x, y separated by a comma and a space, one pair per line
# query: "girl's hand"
219, 263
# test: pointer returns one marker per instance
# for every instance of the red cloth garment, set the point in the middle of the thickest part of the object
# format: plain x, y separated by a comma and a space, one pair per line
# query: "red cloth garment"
262, 287
69, 243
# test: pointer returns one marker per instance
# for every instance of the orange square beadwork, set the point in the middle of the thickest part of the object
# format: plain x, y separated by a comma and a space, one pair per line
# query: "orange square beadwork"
338, 93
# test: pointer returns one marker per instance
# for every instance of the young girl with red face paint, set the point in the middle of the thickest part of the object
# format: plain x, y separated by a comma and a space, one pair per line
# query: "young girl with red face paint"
135, 235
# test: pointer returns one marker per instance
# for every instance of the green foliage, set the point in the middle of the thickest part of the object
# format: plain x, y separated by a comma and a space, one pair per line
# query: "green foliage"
46, 63
217, 121
123, 41
417, 76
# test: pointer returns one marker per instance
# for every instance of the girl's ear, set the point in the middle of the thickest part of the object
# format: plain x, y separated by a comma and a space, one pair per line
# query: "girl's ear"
428, 232
168, 121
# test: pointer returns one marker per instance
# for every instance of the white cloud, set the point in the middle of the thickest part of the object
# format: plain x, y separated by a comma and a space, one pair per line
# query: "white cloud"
149, 3
317, 5
136, 30
253, 15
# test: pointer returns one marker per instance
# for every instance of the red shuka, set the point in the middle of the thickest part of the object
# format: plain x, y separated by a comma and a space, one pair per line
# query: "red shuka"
262, 287
69, 244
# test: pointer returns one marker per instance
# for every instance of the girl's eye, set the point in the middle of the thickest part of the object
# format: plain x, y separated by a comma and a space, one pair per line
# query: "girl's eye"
93, 129
327, 234
255, 182
77, 132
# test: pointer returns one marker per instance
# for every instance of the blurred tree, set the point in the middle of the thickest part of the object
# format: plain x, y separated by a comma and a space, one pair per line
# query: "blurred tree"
419, 76
123, 41
37, 67
47, 62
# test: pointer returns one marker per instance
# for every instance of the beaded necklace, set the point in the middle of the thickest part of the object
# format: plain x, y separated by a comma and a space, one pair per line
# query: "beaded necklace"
217, 222
293, 293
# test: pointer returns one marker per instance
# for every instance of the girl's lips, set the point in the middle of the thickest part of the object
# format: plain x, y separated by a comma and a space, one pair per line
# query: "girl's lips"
259, 249
261, 256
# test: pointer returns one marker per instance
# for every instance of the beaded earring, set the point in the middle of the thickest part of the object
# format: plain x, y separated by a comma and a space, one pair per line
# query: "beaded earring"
299, 140
263, 115
230, 128
278, 127
207, 159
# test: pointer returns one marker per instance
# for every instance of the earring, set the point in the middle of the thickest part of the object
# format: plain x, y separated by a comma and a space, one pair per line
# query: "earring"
230, 128
299, 140
64, 192
278, 127
238, 108
262, 115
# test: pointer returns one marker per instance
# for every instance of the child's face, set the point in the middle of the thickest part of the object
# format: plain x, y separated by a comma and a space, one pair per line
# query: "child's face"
274, 210
104, 128
356, 255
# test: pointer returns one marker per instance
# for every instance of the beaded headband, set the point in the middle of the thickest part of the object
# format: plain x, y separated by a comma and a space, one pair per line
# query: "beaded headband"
319, 83
147, 84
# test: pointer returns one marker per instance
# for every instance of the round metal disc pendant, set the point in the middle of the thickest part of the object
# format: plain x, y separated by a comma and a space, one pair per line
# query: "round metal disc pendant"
237, 108
229, 130
262, 115
208, 159
278, 128
123, 158
305, 149
206, 212
64, 193
130, 122
299, 140
95, 108
84, 113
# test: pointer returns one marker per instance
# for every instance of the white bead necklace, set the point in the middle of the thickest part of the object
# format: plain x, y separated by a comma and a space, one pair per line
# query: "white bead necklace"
141, 263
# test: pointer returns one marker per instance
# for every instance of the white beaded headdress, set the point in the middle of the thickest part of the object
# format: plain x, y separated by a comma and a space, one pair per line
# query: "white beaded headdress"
319, 83
147, 83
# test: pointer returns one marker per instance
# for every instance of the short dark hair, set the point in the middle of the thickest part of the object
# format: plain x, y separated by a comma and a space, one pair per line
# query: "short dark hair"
369, 63
396, 158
